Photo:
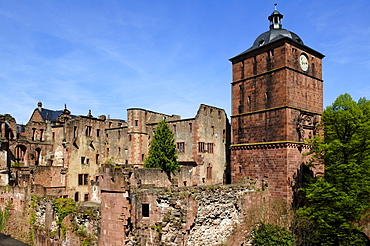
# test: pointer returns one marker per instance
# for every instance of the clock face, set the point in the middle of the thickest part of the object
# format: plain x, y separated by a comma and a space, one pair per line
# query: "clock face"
303, 61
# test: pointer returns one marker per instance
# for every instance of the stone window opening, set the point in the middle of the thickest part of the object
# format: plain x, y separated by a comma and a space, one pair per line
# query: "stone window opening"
53, 135
190, 127
145, 210
33, 134
88, 130
76, 196
83, 179
209, 171
41, 134
174, 129
210, 147
266, 96
38, 155
98, 132
86, 197
142, 157
75, 131
107, 152
180, 147
20, 152
119, 134
201, 147
119, 150
97, 159
213, 130
83, 159
136, 123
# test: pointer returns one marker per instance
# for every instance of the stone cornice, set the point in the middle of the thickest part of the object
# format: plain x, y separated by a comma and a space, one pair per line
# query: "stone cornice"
276, 108
270, 145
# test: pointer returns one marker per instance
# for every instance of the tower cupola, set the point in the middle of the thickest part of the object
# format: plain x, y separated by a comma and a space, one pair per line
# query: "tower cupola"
275, 19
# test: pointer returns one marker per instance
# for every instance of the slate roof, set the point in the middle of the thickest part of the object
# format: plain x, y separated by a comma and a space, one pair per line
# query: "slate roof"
275, 33
51, 115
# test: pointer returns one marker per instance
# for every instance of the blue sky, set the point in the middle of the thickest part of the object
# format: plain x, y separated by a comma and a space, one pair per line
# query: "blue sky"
167, 56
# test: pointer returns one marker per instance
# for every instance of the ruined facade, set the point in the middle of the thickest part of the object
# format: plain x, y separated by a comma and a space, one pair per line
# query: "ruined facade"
63, 152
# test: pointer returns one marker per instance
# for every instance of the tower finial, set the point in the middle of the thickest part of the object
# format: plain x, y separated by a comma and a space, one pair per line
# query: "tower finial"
275, 5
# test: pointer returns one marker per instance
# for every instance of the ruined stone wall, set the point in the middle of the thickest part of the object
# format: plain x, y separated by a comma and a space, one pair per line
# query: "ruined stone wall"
50, 176
32, 218
136, 212
183, 216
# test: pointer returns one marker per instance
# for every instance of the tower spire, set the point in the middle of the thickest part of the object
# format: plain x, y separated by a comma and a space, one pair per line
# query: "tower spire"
275, 19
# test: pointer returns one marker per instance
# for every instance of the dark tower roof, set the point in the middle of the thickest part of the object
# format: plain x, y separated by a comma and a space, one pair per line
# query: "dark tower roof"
52, 115
276, 32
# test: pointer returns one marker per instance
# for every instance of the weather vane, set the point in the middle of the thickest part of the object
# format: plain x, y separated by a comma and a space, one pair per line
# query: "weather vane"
275, 5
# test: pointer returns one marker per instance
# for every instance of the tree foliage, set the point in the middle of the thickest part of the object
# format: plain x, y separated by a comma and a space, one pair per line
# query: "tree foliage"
162, 152
336, 202
273, 235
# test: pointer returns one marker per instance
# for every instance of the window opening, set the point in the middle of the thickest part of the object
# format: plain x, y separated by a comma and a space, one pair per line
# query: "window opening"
209, 171
83, 179
88, 130
201, 147
41, 134
145, 210
181, 147
210, 147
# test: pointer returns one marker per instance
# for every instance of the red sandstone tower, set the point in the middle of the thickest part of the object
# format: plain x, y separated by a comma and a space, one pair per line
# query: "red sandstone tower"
277, 100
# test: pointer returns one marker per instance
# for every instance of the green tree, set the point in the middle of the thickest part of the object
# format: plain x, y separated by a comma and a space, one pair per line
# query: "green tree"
272, 235
162, 152
336, 202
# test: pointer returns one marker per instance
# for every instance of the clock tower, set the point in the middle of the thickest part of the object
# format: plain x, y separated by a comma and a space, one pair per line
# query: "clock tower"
277, 100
